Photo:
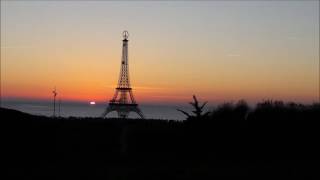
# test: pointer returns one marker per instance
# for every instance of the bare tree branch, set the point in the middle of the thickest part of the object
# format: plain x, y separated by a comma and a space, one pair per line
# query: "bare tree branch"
185, 113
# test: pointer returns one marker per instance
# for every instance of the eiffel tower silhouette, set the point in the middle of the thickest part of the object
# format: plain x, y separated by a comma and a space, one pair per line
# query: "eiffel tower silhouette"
123, 101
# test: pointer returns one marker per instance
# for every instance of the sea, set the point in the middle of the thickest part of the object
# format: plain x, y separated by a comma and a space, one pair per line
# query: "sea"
84, 109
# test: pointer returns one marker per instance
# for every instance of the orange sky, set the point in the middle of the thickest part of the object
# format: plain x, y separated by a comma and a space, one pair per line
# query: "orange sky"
218, 51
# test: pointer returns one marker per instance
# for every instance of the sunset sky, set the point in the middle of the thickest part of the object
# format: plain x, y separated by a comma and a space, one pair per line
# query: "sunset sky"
218, 50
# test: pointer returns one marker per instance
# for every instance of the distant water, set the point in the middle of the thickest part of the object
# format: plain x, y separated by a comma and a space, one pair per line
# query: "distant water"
67, 109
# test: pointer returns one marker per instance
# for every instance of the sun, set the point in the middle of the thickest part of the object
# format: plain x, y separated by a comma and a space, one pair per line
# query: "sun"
92, 102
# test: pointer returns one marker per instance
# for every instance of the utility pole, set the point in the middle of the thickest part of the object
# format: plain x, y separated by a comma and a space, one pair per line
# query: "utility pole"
59, 107
54, 101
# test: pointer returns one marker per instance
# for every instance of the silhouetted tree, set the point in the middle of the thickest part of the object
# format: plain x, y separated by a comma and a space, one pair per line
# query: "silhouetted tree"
198, 112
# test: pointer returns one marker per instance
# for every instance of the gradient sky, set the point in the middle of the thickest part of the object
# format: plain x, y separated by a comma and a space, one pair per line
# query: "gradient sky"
219, 50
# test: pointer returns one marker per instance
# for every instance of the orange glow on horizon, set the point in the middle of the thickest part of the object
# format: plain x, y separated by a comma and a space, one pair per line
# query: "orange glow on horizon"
153, 95
217, 51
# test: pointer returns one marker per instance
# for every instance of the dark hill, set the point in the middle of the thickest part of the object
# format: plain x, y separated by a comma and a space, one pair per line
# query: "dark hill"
270, 141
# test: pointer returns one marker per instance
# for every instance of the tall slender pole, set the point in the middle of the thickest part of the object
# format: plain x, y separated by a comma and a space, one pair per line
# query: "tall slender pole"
54, 101
59, 107
54, 105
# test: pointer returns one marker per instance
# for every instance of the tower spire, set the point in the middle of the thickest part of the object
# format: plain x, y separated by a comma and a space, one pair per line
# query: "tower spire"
123, 101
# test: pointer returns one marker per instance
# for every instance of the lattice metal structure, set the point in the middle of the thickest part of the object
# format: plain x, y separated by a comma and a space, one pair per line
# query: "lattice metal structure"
123, 101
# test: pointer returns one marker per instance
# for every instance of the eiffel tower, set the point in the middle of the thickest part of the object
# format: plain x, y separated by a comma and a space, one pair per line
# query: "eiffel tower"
123, 101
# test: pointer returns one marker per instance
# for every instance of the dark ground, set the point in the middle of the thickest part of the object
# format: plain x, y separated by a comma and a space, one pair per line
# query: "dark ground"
270, 142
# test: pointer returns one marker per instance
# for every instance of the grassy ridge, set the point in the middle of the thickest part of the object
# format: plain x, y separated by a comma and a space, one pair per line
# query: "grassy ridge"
272, 140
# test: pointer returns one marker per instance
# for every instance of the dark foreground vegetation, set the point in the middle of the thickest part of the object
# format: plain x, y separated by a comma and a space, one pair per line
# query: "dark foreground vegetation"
272, 141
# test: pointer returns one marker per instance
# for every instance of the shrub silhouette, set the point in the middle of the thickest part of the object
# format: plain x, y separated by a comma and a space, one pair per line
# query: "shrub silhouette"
198, 110
230, 114
273, 139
